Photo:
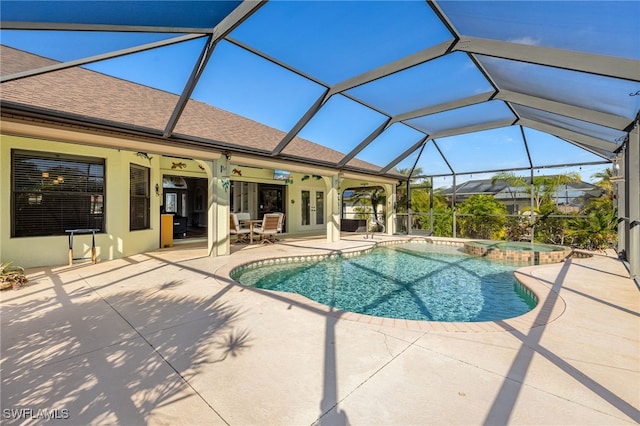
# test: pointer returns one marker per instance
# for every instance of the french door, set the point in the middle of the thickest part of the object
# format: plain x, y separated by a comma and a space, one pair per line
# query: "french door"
312, 209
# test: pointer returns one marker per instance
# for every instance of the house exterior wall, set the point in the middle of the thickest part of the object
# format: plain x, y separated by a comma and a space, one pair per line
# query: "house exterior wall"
116, 242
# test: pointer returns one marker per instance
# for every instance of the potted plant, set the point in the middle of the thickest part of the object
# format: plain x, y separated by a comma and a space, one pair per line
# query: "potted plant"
11, 276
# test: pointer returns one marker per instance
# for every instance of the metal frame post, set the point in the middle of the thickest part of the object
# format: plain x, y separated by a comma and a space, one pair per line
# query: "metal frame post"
632, 183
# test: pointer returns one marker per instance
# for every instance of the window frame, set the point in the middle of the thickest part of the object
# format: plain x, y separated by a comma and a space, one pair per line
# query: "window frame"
70, 203
134, 199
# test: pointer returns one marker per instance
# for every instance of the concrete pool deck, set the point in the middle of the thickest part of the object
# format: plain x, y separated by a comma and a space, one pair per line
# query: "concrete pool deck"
166, 338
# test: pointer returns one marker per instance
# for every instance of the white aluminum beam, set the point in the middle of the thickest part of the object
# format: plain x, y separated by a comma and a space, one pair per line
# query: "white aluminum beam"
236, 17
458, 103
362, 145
566, 110
579, 138
224, 27
393, 67
474, 128
322, 99
609, 66
275, 61
60, 26
96, 58
404, 155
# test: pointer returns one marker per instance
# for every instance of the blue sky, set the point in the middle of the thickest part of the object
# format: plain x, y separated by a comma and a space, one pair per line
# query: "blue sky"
334, 41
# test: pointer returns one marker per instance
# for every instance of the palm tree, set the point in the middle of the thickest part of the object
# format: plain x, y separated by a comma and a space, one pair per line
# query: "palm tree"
512, 181
552, 183
543, 187
417, 171
373, 197
605, 183
401, 193
599, 229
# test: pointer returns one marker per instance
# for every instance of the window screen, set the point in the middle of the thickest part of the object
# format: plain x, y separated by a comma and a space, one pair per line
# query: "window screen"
55, 192
139, 198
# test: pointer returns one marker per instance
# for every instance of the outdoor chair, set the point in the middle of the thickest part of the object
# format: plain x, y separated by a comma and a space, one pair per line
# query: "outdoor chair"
241, 233
280, 222
269, 228
243, 216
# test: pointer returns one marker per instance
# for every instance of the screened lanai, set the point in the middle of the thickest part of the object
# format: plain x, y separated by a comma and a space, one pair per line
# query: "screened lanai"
385, 88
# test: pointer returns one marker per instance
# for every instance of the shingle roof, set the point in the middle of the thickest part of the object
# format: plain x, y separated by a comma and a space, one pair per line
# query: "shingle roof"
85, 94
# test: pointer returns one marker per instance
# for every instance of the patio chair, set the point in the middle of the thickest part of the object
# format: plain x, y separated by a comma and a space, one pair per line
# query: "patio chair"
269, 228
243, 216
280, 222
241, 233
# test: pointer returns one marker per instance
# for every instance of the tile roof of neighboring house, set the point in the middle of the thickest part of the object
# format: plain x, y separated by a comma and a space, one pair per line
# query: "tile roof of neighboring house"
96, 97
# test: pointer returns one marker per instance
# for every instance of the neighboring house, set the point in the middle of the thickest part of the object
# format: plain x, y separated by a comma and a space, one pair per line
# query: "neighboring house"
569, 198
58, 173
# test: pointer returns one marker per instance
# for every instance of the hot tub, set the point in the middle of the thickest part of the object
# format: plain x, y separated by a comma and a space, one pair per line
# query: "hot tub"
524, 252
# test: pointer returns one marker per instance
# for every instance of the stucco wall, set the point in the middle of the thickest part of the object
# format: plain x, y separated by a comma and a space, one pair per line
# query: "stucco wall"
116, 242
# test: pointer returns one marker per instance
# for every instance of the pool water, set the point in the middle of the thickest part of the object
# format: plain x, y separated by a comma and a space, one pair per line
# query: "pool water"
413, 281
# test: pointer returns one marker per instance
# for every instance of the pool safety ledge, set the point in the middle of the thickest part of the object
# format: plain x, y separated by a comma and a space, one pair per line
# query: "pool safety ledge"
549, 305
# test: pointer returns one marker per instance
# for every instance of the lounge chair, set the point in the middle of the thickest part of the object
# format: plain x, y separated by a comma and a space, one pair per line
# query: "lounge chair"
269, 228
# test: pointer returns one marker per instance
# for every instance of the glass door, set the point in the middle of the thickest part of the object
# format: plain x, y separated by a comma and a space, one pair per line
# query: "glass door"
270, 199
313, 208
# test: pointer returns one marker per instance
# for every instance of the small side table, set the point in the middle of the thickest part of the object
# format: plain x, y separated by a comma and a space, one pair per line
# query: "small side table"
71, 233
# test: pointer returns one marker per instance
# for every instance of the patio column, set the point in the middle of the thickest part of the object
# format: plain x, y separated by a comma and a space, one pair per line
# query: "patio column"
334, 208
390, 220
219, 186
632, 183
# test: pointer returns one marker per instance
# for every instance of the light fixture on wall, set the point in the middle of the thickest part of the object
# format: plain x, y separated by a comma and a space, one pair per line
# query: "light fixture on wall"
616, 176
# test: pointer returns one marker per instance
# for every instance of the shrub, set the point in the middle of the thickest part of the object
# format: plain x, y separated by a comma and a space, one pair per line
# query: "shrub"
488, 217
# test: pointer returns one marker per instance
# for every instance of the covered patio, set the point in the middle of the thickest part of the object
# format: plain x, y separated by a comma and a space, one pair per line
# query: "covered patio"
339, 95
166, 337
386, 90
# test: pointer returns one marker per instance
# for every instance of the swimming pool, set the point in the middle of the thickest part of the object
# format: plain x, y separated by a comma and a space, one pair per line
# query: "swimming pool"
414, 281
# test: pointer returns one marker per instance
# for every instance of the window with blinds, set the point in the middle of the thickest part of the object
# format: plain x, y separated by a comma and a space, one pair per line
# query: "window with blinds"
140, 204
55, 192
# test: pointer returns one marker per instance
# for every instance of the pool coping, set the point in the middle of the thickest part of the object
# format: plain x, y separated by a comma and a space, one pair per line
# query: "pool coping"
549, 307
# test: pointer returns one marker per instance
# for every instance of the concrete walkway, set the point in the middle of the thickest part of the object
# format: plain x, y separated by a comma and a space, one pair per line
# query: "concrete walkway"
167, 338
